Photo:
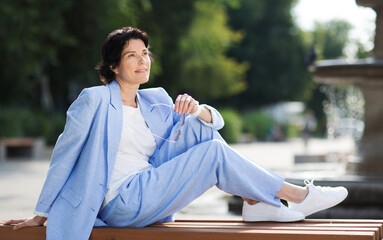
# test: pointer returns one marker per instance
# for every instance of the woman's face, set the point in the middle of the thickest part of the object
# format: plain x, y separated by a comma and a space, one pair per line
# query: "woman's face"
134, 67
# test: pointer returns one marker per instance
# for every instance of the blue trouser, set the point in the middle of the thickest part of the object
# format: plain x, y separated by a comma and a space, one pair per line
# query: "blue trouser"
182, 172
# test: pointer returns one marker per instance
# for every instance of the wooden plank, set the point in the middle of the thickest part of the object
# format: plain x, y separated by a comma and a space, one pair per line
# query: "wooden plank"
224, 234
32, 233
17, 142
301, 226
372, 222
224, 230
297, 224
325, 222
306, 220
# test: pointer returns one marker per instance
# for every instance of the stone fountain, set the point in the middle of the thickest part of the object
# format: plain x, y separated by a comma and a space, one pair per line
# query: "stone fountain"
364, 172
367, 74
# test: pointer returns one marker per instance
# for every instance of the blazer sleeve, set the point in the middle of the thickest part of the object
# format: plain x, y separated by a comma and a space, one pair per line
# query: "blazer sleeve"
67, 150
217, 120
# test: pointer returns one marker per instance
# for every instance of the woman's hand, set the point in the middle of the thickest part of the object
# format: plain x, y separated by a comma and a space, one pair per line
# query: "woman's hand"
28, 222
185, 104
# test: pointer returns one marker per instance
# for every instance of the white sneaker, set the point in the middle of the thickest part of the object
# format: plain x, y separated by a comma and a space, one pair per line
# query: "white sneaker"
319, 198
261, 211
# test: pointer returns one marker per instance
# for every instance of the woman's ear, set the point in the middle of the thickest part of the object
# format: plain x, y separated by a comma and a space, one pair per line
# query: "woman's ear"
114, 69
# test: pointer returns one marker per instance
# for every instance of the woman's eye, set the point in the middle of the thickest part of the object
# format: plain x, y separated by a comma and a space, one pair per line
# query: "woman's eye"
131, 55
146, 53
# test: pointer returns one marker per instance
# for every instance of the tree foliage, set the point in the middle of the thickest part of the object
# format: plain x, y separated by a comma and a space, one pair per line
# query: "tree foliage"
190, 42
206, 71
330, 38
212, 49
33, 32
89, 24
273, 47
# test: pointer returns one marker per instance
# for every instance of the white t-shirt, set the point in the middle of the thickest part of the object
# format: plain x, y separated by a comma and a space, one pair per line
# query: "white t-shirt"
137, 145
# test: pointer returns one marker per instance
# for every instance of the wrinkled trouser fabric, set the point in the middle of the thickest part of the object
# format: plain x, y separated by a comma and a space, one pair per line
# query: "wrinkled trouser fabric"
182, 172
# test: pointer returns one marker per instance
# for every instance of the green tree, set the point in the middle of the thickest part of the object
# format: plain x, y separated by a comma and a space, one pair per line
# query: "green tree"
330, 38
166, 22
89, 24
189, 40
362, 51
275, 50
33, 31
50, 48
206, 71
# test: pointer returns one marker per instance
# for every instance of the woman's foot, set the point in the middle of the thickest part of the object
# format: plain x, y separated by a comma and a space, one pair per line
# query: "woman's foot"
319, 198
261, 211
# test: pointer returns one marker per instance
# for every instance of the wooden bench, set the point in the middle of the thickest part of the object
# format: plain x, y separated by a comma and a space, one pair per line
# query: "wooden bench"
19, 147
226, 230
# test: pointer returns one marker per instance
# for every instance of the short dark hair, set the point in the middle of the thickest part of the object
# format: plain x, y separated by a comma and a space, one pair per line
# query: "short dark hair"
112, 49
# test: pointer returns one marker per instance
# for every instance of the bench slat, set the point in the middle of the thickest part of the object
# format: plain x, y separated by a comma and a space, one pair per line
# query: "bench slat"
227, 234
225, 230
32, 233
301, 226
308, 222
17, 142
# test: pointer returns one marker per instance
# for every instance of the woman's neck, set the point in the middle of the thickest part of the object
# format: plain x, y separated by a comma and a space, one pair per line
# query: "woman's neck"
128, 94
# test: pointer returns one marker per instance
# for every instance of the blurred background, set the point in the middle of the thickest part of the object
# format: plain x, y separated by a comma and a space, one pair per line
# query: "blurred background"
251, 59
247, 58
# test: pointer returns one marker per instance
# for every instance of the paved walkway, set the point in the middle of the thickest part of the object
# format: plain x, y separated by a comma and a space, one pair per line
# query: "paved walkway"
22, 180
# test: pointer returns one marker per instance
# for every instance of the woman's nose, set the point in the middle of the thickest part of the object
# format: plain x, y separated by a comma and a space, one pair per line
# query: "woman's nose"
141, 58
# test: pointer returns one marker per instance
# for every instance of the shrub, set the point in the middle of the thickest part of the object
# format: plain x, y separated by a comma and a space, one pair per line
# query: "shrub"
18, 122
232, 129
258, 124
292, 130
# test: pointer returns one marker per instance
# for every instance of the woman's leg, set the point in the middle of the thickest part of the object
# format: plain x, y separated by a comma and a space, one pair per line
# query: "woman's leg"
292, 193
201, 133
193, 133
160, 192
187, 168
288, 192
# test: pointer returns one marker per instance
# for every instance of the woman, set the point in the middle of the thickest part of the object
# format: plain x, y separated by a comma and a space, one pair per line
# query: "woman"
130, 157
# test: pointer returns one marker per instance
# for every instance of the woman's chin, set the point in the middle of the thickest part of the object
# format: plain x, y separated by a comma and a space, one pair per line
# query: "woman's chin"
144, 81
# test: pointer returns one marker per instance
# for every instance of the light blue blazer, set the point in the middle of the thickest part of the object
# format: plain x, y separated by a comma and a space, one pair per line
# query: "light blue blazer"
85, 153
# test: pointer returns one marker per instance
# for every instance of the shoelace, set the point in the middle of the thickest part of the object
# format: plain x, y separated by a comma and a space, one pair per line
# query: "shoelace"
308, 182
318, 188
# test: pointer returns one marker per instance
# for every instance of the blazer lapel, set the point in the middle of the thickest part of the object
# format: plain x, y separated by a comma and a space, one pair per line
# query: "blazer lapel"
151, 118
114, 125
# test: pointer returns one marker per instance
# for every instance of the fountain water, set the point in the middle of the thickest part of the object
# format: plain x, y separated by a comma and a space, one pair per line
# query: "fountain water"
344, 109
368, 76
